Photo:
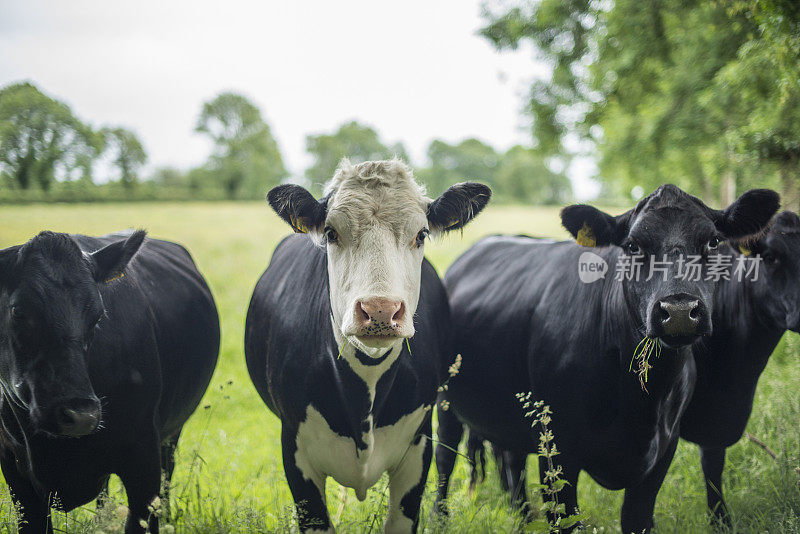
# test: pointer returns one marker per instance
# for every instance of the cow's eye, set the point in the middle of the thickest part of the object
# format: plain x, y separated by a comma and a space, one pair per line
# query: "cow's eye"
633, 248
420, 239
16, 314
330, 235
713, 243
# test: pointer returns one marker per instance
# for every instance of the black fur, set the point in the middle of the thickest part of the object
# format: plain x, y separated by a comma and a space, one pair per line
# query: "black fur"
457, 206
298, 207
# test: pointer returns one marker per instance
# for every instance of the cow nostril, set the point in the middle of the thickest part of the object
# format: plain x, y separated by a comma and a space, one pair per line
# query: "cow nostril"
400, 314
78, 421
362, 315
694, 313
663, 312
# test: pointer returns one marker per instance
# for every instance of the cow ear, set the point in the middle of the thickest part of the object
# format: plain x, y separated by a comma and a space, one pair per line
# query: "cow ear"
594, 228
8, 260
109, 262
457, 206
298, 207
748, 214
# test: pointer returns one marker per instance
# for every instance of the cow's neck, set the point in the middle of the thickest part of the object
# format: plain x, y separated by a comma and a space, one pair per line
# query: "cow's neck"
743, 327
368, 367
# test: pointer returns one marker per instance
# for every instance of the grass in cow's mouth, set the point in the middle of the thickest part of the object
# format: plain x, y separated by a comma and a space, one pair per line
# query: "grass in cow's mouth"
641, 355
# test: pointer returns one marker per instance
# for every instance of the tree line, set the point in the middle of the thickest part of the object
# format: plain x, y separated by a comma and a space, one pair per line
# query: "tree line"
47, 153
701, 93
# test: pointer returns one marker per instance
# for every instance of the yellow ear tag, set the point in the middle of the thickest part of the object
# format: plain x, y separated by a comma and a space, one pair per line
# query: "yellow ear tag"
298, 225
744, 250
117, 277
586, 236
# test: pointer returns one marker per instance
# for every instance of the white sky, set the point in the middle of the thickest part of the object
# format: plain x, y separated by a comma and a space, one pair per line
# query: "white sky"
415, 70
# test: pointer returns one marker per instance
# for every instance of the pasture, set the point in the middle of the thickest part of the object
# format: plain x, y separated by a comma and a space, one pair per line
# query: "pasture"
229, 476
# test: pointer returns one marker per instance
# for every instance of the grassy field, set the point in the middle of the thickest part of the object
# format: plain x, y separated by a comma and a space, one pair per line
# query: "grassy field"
229, 476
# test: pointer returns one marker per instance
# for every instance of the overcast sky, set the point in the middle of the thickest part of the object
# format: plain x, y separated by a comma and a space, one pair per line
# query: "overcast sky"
414, 70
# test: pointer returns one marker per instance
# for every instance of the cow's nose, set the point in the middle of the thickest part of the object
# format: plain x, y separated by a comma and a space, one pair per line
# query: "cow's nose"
680, 316
379, 316
78, 417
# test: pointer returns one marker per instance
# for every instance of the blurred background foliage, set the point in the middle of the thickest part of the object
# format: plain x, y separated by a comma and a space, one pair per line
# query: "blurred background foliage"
703, 94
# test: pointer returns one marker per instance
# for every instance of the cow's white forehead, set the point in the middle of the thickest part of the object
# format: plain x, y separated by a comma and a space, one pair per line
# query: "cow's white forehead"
375, 192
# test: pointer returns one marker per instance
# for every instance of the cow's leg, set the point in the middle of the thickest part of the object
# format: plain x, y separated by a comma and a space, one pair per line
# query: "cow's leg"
568, 496
514, 466
476, 452
448, 434
103, 496
140, 473
502, 467
407, 483
308, 489
637, 507
713, 461
34, 512
167, 468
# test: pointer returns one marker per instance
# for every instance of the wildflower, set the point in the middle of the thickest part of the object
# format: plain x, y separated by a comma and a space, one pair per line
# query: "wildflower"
456, 367
445, 405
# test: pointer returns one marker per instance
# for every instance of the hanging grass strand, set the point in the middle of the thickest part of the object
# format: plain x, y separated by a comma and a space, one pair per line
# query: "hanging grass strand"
641, 355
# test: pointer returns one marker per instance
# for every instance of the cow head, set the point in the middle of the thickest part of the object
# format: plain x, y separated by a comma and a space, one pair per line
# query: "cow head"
374, 220
50, 306
664, 227
777, 287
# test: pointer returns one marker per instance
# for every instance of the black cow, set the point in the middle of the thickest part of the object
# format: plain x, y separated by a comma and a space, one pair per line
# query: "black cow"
348, 342
107, 345
750, 316
751, 313
523, 321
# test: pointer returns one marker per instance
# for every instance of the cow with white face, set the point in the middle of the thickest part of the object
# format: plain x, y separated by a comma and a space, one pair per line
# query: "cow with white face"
348, 334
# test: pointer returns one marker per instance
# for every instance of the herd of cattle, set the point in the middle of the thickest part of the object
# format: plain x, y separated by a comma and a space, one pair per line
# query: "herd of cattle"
107, 345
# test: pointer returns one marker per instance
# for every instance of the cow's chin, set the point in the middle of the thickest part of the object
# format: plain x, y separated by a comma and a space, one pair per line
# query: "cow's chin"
375, 346
677, 342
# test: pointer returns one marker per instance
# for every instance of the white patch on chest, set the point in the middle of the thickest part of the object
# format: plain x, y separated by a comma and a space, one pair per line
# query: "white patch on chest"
321, 452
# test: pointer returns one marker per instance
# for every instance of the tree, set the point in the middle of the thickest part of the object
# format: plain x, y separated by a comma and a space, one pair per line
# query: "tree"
246, 157
699, 93
469, 160
352, 140
127, 153
41, 140
523, 176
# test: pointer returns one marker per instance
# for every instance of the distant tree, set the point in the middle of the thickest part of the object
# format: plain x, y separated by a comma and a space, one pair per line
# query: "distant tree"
523, 176
41, 140
471, 159
352, 140
170, 177
127, 153
701, 93
246, 157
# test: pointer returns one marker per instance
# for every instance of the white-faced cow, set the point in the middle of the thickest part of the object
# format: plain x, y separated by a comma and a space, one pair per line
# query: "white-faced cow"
524, 321
347, 342
750, 315
107, 345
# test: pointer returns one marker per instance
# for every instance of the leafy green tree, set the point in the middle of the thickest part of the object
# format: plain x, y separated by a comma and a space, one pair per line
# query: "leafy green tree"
523, 176
471, 159
352, 140
41, 140
700, 93
127, 153
246, 157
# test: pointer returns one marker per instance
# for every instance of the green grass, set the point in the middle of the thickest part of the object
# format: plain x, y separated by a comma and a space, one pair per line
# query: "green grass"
229, 476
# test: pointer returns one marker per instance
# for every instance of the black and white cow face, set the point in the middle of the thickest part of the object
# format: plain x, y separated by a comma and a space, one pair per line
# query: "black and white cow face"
374, 220
777, 288
49, 307
666, 226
